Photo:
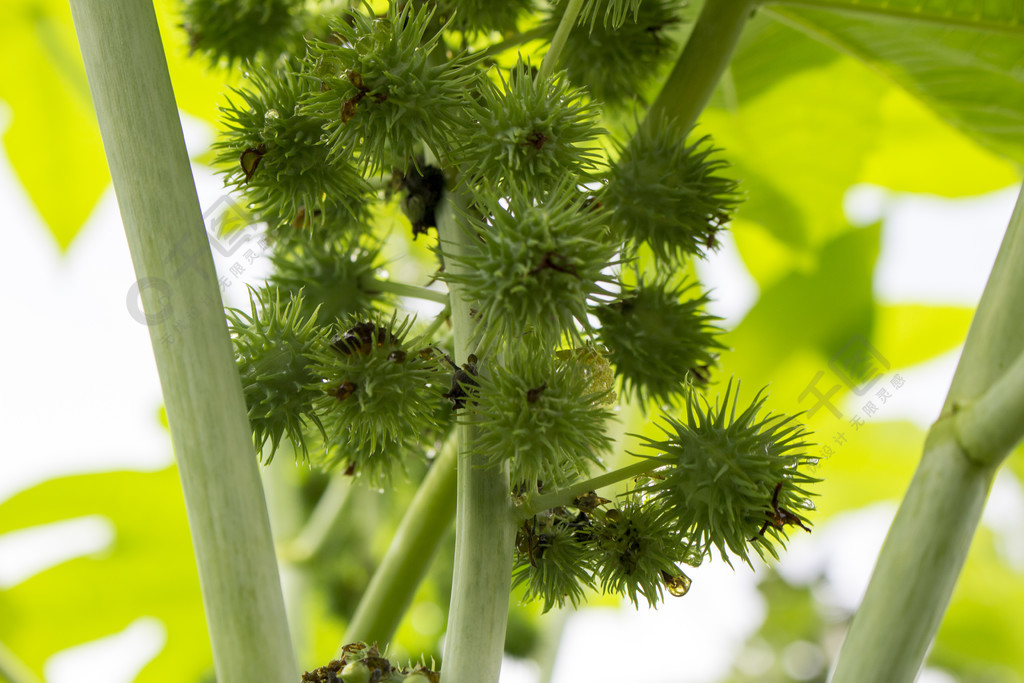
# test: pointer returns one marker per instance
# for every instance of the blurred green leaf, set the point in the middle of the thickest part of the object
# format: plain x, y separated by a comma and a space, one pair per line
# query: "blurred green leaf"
962, 58
819, 309
919, 152
799, 145
53, 141
907, 334
148, 571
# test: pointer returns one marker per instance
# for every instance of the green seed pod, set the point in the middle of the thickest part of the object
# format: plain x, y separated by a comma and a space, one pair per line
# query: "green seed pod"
553, 559
378, 396
669, 194
380, 93
273, 154
732, 481
659, 340
539, 413
536, 132
356, 672
613, 12
273, 347
636, 549
534, 264
241, 29
616, 63
337, 276
473, 16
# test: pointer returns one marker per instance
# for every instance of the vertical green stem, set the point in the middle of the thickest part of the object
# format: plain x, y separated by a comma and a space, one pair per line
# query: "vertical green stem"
407, 560
565, 26
703, 61
484, 529
142, 136
926, 547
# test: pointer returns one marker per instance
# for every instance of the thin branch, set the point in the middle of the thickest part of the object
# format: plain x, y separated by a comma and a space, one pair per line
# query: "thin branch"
424, 525
567, 495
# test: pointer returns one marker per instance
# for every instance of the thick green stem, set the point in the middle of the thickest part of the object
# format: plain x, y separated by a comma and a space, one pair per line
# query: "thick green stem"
567, 495
929, 539
702, 63
918, 566
210, 431
407, 560
484, 528
565, 26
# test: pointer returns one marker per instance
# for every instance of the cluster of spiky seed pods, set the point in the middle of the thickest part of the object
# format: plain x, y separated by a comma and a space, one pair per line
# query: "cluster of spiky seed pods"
557, 276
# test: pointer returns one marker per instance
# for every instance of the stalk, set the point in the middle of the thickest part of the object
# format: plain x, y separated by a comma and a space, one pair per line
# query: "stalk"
702, 63
567, 23
210, 432
324, 524
929, 539
484, 529
407, 560
567, 495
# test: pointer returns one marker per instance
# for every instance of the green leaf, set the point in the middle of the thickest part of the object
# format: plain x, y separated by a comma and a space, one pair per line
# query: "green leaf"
53, 141
819, 309
919, 152
797, 146
148, 571
908, 334
961, 58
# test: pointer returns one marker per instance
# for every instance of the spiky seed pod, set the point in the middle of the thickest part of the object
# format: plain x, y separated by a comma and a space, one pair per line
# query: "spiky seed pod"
538, 413
378, 90
659, 338
636, 548
731, 480
241, 29
536, 132
378, 396
552, 558
612, 12
273, 154
532, 265
274, 344
336, 276
472, 16
615, 64
668, 194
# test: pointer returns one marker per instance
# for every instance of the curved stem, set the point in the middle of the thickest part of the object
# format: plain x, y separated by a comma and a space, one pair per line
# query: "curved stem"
210, 433
484, 529
568, 22
702, 62
424, 525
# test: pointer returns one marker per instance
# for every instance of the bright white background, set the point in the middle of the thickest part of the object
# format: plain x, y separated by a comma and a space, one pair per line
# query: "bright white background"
85, 351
